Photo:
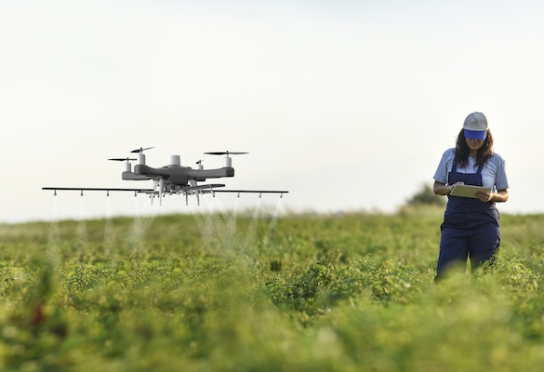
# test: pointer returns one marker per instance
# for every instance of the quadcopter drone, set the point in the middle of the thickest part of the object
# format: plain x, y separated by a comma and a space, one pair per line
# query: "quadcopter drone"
173, 179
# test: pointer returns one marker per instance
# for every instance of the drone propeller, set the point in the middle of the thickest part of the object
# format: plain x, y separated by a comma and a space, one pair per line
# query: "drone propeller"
226, 153
140, 150
122, 159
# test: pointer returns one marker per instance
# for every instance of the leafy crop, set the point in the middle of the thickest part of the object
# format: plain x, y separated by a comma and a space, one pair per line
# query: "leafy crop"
351, 292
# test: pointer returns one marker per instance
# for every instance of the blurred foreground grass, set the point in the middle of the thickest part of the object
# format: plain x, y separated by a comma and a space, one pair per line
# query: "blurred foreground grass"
322, 293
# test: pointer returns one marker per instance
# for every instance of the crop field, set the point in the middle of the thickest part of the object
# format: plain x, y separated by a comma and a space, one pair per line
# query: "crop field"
209, 292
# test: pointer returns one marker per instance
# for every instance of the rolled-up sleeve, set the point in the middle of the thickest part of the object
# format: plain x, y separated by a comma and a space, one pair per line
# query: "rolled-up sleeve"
502, 180
441, 174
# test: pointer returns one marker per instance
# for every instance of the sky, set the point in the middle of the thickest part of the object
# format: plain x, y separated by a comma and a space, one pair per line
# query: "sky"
349, 105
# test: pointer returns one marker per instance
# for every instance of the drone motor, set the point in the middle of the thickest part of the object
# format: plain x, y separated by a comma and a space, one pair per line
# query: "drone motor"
141, 156
227, 161
128, 166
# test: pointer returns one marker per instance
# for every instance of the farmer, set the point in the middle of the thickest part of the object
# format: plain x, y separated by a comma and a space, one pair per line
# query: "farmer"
471, 225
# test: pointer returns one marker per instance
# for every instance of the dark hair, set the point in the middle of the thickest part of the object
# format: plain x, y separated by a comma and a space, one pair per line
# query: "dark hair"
462, 151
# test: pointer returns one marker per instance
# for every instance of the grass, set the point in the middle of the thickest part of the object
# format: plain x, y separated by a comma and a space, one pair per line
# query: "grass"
322, 293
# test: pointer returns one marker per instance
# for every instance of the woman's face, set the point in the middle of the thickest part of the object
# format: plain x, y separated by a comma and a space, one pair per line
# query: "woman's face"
474, 144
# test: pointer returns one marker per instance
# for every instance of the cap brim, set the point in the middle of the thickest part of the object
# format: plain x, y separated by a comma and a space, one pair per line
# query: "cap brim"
476, 134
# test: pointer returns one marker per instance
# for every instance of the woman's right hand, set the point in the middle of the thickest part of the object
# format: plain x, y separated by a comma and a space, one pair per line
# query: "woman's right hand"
440, 188
456, 183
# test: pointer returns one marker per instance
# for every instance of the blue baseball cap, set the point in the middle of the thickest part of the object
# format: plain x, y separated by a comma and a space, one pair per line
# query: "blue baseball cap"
475, 126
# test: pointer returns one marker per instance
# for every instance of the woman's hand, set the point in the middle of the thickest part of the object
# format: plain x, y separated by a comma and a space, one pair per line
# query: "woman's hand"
486, 196
441, 189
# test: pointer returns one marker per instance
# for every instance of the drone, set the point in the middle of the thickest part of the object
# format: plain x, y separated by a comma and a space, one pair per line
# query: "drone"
173, 179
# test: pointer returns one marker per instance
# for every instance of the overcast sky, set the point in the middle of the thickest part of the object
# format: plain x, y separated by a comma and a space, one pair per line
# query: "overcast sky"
347, 104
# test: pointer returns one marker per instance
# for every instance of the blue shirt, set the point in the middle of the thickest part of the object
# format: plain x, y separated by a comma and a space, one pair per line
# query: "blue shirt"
493, 171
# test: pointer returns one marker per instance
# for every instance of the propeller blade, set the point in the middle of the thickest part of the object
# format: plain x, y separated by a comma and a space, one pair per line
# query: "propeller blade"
122, 159
226, 153
140, 150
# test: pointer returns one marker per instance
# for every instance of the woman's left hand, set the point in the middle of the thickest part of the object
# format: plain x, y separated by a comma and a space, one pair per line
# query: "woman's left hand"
484, 196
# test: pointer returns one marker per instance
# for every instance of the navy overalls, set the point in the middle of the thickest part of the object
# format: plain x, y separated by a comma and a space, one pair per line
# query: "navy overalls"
470, 228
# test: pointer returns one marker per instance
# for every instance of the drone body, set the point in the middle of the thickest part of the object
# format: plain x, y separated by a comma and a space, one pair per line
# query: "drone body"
173, 179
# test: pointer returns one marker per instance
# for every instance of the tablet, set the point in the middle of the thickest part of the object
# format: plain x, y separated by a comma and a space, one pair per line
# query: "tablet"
467, 191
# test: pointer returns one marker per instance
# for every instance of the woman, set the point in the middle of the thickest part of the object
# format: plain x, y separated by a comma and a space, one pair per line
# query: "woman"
471, 225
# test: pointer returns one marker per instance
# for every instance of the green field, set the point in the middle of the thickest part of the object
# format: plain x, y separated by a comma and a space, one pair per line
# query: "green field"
351, 292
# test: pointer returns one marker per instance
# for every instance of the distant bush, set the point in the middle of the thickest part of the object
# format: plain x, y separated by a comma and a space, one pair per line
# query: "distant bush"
426, 196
